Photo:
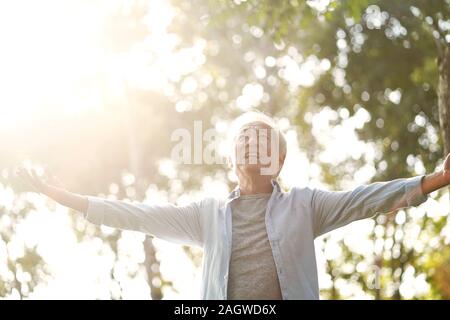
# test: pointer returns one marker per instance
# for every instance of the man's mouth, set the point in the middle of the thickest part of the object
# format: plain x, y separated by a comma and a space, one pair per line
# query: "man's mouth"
251, 155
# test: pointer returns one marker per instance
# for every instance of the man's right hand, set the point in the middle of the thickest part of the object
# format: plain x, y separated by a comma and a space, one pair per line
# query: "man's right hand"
53, 188
38, 183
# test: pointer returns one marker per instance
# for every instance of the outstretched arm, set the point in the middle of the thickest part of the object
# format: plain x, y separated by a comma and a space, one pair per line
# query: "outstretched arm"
180, 224
334, 209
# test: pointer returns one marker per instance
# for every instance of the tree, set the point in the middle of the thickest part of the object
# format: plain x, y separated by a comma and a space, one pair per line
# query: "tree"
22, 265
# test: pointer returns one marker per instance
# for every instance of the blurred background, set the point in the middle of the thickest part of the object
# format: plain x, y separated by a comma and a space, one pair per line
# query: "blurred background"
94, 89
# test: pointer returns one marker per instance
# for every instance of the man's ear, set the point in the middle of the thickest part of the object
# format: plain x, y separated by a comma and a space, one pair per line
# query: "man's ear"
281, 159
280, 163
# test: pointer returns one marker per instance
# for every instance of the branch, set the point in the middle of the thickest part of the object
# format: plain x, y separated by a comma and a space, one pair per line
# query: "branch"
437, 29
440, 42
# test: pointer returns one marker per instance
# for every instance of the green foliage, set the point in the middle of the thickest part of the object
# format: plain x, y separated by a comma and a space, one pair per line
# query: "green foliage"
25, 270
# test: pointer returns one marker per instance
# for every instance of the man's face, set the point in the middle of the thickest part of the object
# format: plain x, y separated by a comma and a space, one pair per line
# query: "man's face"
257, 150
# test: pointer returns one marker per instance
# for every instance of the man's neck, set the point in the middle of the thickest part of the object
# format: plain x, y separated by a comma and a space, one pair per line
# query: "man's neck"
255, 185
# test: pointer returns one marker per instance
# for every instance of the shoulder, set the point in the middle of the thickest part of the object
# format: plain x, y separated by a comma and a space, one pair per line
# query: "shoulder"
301, 193
211, 204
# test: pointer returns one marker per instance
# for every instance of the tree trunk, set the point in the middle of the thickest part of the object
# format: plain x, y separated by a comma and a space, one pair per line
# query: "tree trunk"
135, 164
377, 276
444, 97
152, 268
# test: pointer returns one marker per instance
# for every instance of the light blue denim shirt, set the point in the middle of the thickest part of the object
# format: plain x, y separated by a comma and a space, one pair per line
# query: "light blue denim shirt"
293, 220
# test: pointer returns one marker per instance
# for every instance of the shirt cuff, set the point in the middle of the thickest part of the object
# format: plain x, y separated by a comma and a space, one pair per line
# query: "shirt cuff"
413, 191
95, 210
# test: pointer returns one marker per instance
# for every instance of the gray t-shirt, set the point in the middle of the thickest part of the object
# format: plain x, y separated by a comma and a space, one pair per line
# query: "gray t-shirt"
252, 274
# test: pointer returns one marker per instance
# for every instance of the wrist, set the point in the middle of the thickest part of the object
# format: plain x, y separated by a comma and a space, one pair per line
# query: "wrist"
45, 190
445, 174
435, 181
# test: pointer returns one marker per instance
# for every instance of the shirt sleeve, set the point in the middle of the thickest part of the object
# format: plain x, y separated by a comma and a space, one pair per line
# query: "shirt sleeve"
334, 209
179, 224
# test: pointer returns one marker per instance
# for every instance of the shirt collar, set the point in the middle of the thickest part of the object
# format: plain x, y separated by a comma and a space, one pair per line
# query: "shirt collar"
236, 193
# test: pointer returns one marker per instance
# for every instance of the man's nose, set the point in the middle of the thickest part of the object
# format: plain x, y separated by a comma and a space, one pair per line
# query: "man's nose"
253, 140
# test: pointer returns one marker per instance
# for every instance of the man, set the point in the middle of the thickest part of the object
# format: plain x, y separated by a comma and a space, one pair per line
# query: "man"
259, 242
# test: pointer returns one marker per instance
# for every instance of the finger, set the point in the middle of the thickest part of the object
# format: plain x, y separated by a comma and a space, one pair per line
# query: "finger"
47, 171
35, 176
20, 170
34, 173
23, 173
29, 174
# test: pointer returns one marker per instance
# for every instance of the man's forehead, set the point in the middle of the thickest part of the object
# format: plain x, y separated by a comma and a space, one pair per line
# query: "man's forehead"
255, 125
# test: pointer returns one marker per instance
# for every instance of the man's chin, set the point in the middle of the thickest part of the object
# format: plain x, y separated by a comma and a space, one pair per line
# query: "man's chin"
250, 167
254, 169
